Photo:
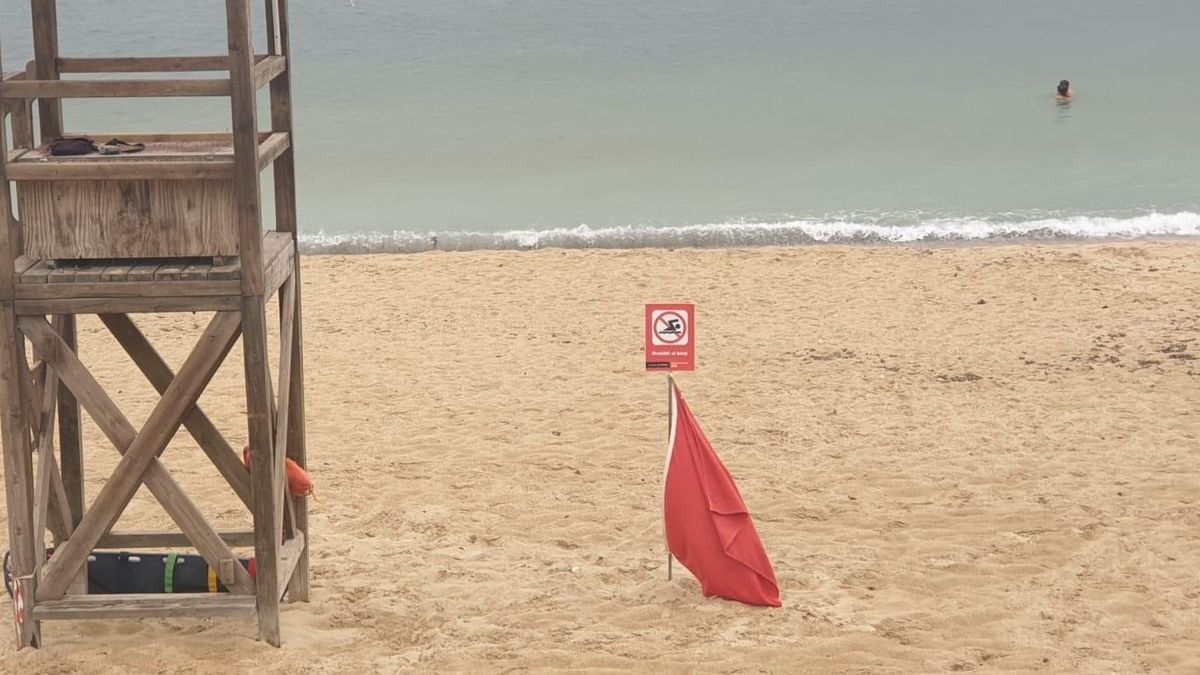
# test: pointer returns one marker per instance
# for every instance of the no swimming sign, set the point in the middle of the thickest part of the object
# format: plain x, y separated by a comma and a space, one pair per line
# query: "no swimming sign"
670, 337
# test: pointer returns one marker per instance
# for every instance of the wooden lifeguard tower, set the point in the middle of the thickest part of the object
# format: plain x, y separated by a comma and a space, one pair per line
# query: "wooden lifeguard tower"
174, 228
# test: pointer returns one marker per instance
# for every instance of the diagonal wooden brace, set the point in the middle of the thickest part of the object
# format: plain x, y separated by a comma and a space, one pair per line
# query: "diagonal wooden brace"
139, 461
206, 434
58, 519
287, 326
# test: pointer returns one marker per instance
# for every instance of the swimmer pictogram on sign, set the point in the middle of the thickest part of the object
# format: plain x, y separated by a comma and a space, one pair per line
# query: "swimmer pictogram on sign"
670, 337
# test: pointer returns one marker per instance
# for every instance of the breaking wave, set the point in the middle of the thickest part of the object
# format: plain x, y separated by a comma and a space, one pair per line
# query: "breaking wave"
784, 233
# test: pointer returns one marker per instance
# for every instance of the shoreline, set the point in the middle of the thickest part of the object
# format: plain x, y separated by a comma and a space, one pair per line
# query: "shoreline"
741, 234
306, 249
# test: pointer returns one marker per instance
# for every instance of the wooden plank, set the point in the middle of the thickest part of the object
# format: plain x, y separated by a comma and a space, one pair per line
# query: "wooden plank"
286, 334
144, 64
37, 274
275, 145
171, 270
144, 606
44, 442
289, 557
224, 271
143, 271
158, 88
133, 289
70, 433
128, 219
61, 274
165, 539
200, 303
70, 449
223, 137
116, 272
23, 263
139, 451
247, 189
297, 442
207, 436
147, 64
279, 270
127, 167
267, 69
90, 272
196, 272
263, 485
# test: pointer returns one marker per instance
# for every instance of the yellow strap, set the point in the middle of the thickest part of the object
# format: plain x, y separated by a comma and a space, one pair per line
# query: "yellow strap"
212, 580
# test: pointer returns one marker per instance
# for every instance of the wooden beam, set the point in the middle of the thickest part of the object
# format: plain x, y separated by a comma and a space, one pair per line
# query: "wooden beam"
270, 149
139, 451
289, 557
129, 167
144, 64
129, 289
206, 434
144, 606
45, 448
158, 88
166, 539
286, 334
279, 270
202, 303
267, 69
70, 432
147, 64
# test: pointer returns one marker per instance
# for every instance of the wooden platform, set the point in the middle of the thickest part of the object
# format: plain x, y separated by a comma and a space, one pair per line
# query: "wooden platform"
131, 286
166, 157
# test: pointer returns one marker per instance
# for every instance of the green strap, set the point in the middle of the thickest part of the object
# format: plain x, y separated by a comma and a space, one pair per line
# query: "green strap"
169, 573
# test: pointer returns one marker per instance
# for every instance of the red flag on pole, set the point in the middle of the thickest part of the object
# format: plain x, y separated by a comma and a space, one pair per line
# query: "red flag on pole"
707, 525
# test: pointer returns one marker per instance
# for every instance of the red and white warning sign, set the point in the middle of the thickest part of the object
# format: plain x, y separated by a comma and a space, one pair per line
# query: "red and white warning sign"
670, 337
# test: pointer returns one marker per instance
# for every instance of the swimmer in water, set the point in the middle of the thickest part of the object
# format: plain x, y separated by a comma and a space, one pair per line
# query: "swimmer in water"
1064, 93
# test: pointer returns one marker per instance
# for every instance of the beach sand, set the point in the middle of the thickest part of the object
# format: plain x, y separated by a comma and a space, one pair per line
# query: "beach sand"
974, 458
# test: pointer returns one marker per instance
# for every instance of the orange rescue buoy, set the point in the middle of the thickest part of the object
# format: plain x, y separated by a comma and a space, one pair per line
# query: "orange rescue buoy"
299, 482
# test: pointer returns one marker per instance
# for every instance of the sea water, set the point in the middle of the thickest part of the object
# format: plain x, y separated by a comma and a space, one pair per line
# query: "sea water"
449, 124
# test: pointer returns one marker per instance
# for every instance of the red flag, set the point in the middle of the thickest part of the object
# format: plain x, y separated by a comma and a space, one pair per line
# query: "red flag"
708, 527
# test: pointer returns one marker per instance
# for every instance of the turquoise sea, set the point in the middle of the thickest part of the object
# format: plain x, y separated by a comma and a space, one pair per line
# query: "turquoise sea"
525, 123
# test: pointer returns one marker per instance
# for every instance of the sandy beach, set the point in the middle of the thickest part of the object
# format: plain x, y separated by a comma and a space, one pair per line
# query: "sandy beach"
973, 458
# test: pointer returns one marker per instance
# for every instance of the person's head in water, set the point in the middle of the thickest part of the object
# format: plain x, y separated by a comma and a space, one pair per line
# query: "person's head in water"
1064, 89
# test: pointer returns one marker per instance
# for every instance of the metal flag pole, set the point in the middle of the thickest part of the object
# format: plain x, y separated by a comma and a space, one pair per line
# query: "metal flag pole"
670, 426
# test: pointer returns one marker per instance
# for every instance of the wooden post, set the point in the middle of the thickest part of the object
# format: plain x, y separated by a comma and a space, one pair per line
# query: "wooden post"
286, 221
14, 426
70, 434
45, 50
254, 322
243, 104
267, 540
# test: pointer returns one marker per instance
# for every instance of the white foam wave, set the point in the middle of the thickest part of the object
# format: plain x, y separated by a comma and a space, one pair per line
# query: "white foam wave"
793, 232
